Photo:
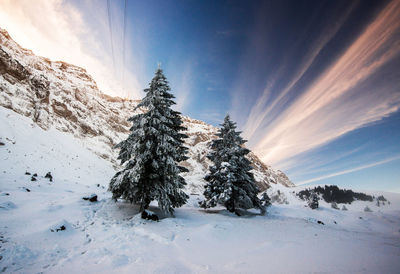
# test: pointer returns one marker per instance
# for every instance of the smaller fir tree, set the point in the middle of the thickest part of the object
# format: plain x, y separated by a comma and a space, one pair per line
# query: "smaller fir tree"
230, 181
313, 201
334, 205
265, 200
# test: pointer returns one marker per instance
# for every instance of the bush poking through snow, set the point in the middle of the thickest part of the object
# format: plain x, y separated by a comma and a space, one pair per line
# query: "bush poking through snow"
344, 208
381, 198
367, 209
334, 205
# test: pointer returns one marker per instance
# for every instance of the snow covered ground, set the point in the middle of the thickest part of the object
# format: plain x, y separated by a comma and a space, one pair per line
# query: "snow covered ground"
105, 236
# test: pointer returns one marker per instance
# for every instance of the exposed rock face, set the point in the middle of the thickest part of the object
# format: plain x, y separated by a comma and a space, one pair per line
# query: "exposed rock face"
63, 96
200, 137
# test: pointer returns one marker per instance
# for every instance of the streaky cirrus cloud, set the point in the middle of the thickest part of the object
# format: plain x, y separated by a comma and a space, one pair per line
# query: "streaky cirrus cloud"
338, 101
317, 163
265, 105
358, 168
59, 30
181, 81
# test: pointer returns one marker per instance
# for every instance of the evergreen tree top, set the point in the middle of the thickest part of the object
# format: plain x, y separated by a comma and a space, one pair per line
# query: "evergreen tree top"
228, 122
158, 91
228, 132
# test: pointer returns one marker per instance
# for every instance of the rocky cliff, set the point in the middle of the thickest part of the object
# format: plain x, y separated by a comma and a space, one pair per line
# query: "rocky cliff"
65, 97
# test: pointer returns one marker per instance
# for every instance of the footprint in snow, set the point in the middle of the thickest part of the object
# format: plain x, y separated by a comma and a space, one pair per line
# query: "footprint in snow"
7, 205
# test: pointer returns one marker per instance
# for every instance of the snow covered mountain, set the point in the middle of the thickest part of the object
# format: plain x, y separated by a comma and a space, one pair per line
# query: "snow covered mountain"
65, 97
46, 227
54, 119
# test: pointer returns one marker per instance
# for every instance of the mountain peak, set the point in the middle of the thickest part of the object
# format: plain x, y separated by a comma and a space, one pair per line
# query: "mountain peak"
65, 97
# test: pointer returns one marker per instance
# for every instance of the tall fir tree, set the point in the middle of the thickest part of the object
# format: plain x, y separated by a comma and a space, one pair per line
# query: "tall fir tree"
229, 181
152, 151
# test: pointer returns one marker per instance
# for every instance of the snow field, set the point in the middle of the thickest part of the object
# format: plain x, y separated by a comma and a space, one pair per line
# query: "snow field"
105, 236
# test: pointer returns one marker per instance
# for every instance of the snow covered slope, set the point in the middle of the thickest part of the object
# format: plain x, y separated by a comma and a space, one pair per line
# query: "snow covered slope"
64, 97
54, 119
108, 237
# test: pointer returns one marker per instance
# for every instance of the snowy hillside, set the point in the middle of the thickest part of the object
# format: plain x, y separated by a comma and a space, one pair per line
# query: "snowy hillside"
53, 118
105, 237
64, 97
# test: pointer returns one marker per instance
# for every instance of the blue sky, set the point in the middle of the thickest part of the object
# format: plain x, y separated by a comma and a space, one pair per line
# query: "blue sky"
313, 85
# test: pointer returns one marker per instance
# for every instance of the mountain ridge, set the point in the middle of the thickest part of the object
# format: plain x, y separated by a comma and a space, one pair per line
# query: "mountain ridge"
64, 96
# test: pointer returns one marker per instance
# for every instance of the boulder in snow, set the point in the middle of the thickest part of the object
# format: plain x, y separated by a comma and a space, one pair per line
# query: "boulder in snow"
92, 198
148, 215
61, 228
49, 176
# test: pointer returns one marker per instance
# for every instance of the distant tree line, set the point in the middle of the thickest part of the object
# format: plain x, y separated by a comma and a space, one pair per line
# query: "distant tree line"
333, 193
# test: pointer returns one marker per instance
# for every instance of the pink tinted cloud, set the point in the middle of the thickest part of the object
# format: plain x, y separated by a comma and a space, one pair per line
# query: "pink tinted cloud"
58, 30
334, 104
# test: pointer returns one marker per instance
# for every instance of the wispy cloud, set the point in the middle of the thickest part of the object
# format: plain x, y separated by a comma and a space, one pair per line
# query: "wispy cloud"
349, 170
340, 100
316, 163
265, 106
58, 30
181, 83
226, 33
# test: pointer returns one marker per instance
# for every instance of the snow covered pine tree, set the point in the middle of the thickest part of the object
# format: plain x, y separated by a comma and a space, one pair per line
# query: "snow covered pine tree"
313, 200
230, 182
152, 151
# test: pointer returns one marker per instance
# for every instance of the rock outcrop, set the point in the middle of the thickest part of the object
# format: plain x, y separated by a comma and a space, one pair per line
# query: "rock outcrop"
65, 97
